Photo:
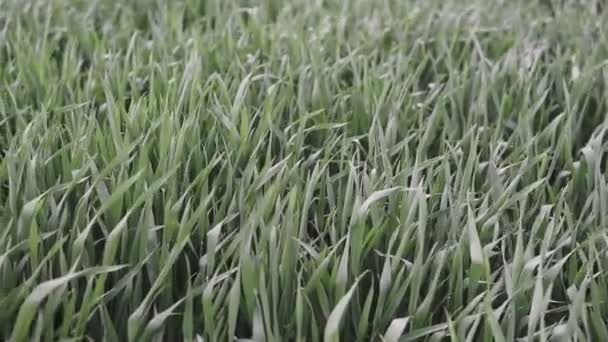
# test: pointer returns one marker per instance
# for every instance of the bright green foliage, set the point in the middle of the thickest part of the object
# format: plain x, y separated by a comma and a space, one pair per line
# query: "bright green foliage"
303, 170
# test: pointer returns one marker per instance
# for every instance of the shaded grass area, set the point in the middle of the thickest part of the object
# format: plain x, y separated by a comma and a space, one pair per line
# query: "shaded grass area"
303, 170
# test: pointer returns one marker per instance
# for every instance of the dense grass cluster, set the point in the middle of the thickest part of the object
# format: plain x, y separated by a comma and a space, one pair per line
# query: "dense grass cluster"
303, 170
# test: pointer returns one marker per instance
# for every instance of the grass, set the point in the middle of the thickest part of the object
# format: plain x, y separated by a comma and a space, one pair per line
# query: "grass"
355, 170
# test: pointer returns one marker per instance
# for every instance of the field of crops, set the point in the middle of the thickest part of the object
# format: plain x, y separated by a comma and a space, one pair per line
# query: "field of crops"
303, 170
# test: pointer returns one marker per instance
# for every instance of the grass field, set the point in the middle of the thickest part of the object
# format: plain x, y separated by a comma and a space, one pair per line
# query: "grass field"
303, 170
